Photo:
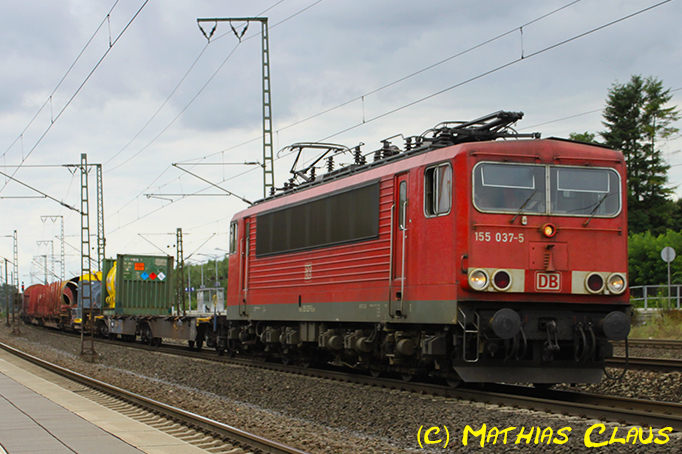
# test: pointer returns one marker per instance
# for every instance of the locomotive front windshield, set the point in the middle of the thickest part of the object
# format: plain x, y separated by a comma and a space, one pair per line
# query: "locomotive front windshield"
522, 188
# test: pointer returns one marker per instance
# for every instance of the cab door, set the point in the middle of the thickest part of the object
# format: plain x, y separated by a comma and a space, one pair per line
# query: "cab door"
398, 246
244, 250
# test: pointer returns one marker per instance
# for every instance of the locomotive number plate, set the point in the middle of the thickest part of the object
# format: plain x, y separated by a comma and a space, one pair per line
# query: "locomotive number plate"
548, 282
498, 237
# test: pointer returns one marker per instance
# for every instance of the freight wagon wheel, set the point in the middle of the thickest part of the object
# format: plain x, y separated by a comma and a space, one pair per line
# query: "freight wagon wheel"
407, 377
146, 335
375, 373
103, 330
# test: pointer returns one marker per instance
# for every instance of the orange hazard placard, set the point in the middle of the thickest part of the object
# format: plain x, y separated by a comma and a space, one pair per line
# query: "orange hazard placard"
139, 266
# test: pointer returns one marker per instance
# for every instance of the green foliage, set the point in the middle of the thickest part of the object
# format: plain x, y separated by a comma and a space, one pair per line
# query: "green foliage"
645, 264
213, 271
586, 137
635, 118
666, 325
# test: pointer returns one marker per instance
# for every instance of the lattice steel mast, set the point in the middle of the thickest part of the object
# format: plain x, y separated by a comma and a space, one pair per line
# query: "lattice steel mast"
268, 161
85, 284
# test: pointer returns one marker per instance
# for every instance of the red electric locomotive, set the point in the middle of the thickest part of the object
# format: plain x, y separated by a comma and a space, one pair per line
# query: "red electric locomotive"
475, 253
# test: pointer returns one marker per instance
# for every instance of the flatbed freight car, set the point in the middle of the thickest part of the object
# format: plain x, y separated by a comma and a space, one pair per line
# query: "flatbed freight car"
139, 301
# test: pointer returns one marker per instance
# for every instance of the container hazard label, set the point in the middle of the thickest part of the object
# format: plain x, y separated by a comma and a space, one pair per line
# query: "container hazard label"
139, 266
548, 282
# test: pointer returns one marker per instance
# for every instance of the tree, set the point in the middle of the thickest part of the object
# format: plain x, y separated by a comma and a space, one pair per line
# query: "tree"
644, 257
635, 117
586, 137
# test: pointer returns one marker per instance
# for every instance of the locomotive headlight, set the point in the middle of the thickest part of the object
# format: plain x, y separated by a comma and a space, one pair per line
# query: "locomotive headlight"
616, 283
478, 279
501, 280
549, 230
594, 283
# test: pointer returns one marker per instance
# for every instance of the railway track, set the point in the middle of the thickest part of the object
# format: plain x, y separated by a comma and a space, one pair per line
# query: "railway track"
213, 436
651, 343
607, 408
652, 364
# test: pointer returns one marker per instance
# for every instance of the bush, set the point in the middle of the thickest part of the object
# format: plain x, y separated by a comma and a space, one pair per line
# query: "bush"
666, 324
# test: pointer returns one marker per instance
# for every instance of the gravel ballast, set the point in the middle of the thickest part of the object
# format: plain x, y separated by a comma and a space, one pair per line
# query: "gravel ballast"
322, 416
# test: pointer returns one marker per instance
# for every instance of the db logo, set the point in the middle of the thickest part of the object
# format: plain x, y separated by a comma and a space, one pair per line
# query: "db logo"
548, 282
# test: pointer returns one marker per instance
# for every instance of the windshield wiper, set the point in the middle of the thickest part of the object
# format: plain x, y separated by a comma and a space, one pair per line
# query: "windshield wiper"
523, 206
595, 209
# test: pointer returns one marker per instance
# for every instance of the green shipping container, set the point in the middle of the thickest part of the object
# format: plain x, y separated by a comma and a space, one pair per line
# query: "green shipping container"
142, 285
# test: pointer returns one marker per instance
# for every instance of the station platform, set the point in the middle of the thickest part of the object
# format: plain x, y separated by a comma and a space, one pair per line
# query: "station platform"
37, 416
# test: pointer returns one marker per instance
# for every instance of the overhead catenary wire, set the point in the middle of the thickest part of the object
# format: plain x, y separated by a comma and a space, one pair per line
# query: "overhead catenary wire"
80, 87
185, 108
496, 69
59, 84
333, 108
189, 70
469, 80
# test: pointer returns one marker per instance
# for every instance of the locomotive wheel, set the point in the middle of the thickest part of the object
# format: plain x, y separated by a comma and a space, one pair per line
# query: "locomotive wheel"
407, 377
453, 382
375, 373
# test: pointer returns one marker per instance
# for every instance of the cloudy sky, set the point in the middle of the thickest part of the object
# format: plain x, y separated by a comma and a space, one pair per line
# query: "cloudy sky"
136, 86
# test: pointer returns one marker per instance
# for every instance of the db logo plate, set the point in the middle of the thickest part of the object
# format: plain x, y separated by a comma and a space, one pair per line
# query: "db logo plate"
548, 282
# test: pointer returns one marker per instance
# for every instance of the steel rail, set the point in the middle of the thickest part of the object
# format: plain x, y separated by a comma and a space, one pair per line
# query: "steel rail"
651, 364
650, 343
239, 436
602, 407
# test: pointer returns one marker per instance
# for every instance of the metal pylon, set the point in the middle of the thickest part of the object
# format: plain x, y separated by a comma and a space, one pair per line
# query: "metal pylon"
15, 326
268, 160
180, 266
85, 284
101, 241
61, 241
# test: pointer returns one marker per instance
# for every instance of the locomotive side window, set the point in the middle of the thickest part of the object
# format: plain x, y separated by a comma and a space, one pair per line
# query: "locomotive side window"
438, 190
402, 210
233, 238
510, 188
334, 219
580, 191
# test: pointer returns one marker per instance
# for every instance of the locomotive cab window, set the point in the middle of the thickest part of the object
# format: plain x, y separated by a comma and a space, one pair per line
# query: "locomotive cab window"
233, 238
580, 191
437, 190
509, 188
542, 189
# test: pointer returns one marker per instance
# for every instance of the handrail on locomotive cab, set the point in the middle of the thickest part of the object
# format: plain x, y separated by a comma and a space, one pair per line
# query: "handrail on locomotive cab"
477, 329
